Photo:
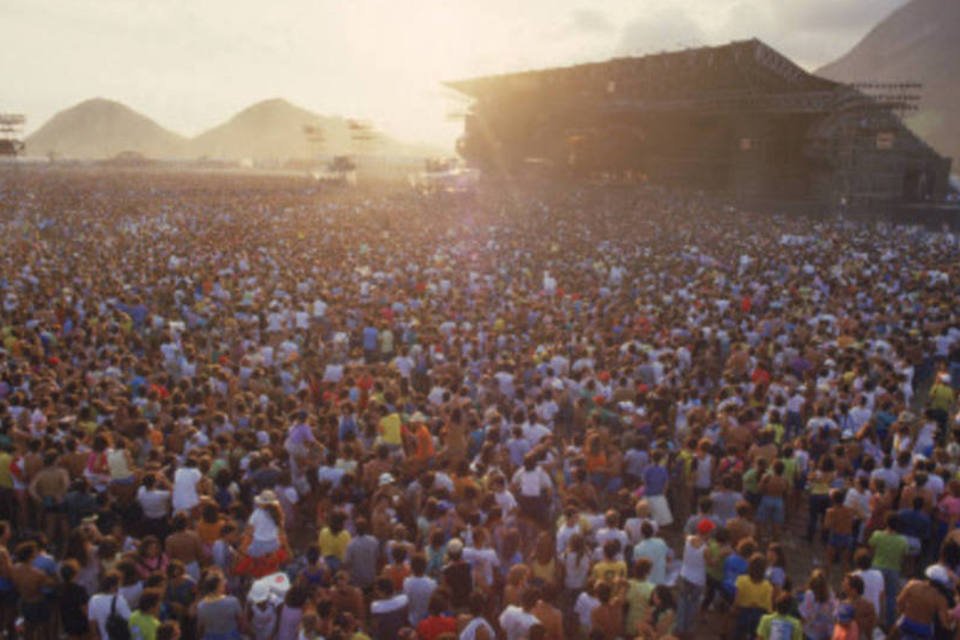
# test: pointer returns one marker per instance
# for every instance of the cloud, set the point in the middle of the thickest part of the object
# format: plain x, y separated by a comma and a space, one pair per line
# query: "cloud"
834, 15
661, 29
590, 21
811, 32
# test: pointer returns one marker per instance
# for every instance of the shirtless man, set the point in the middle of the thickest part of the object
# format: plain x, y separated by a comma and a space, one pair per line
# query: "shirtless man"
185, 545
48, 488
29, 583
921, 603
773, 493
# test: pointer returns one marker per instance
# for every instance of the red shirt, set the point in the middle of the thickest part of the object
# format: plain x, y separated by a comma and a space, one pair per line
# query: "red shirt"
430, 628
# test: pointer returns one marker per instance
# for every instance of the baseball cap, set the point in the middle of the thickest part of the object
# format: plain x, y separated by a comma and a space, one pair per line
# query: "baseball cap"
705, 526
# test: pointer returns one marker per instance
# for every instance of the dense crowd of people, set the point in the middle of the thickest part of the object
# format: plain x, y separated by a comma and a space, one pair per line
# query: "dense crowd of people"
243, 407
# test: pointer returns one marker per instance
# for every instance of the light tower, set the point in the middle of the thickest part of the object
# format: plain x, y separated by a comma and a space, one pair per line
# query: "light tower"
11, 125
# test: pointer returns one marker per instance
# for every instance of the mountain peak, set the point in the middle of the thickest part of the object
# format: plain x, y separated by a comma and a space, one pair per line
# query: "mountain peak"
271, 103
915, 43
102, 128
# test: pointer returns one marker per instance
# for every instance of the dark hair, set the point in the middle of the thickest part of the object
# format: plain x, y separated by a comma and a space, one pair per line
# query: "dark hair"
69, 570
856, 583
757, 567
210, 584
180, 522
384, 586
784, 604
110, 581
168, 631
418, 564
149, 599
665, 596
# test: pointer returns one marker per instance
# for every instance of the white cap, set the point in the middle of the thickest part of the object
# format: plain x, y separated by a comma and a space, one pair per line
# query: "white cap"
936, 573
259, 592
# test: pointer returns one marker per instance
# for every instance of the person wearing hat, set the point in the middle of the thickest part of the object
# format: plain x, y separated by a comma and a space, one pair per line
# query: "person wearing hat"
423, 449
457, 574
922, 605
266, 549
261, 611
693, 577
940, 400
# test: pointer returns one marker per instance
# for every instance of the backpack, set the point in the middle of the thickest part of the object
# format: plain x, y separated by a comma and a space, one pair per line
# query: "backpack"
117, 626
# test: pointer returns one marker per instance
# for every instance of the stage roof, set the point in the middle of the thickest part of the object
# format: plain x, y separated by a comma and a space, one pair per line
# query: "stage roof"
747, 65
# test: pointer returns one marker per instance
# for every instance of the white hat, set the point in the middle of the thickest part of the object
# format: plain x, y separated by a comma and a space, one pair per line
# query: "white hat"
938, 574
418, 418
385, 479
455, 546
259, 592
266, 497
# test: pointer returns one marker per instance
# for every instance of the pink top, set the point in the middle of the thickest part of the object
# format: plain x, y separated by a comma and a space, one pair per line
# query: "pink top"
950, 508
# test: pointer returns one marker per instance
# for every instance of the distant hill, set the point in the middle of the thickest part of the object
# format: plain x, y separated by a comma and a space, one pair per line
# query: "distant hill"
271, 130
100, 128
919, 42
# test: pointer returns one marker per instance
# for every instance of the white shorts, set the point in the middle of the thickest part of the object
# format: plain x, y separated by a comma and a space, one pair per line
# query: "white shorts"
660, 510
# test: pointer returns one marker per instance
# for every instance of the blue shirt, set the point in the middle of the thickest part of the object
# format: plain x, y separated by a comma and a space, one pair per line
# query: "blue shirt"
655, 480
733, 567
635, 461
370, 338
913, 523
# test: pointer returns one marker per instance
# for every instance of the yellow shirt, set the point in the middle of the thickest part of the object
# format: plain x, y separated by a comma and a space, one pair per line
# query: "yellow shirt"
390, 429
754, 595
334, 545
610, 570
6, 478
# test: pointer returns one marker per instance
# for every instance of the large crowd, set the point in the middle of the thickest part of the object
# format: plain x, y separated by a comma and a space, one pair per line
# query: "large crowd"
247, 407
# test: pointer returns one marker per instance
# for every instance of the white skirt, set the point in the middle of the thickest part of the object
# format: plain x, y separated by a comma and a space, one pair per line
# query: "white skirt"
660, 510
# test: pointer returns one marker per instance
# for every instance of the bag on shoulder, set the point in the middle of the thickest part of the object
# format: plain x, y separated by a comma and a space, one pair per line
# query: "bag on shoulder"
117, 627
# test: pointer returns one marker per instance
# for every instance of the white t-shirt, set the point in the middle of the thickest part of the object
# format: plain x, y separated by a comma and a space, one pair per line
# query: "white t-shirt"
576, 570
185, 488
694, 566
872, 586
584, 607
98, 610
264, 528
404, 365
505, 501
155, 503
532, 482
516, 622
418, 591
473, 627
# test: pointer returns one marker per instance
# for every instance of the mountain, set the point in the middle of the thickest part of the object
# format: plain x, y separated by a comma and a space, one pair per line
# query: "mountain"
274, 130
271, 130
100, 128
916, 43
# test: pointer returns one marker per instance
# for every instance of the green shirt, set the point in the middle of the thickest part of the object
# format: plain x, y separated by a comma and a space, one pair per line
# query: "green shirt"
888, 550
940, 397
143, 626
774, 626
638, 598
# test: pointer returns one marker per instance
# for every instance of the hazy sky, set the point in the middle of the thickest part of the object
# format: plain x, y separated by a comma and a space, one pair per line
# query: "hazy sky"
190, 64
